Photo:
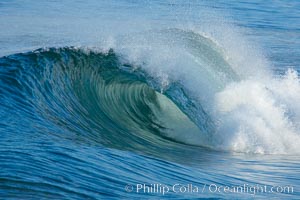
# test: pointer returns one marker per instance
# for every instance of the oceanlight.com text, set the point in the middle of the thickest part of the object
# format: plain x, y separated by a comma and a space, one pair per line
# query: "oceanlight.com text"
163, 189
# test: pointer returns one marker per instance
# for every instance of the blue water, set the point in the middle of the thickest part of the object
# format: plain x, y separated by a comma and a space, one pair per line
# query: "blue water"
149, 99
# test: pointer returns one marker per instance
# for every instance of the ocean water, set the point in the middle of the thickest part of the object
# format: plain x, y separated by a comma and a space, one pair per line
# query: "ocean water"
126, 99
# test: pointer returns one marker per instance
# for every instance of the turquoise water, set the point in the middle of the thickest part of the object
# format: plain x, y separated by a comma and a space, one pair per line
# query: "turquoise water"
149, 99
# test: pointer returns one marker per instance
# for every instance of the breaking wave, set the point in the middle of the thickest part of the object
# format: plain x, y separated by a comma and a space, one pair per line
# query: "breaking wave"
160, 88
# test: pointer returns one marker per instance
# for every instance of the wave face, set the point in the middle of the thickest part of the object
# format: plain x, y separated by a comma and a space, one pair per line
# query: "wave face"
93, 97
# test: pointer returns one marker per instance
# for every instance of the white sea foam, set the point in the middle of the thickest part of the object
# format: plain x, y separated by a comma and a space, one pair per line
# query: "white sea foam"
253, 109
260, 116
